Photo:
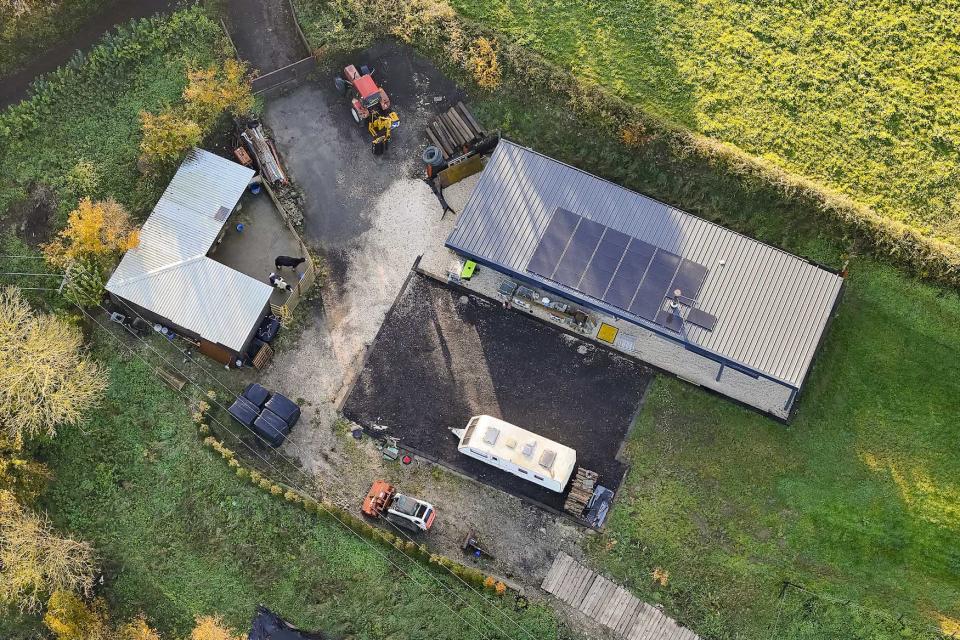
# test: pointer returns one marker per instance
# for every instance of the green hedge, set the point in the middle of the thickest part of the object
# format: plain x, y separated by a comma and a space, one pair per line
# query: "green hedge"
87, 110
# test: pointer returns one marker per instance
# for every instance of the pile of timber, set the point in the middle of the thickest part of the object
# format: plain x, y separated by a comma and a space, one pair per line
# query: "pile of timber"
454, 131
581, 490
265, 153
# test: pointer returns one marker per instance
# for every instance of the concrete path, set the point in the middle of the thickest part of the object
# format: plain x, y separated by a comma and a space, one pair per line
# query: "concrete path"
15, 88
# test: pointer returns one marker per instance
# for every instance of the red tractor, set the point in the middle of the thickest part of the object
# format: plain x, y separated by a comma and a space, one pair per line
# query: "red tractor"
367, 99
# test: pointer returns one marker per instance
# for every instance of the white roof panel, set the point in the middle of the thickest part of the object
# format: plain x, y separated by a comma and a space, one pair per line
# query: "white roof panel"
169, 273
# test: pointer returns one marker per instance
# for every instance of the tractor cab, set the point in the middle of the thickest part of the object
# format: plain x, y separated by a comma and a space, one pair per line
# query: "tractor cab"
368, 100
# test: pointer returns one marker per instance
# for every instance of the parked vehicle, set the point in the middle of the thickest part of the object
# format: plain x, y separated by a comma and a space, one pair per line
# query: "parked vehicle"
369, 104
269, 415
383, 501
517, 451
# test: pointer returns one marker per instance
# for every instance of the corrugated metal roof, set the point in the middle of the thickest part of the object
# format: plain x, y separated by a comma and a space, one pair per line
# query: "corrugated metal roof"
772, 307
169, 272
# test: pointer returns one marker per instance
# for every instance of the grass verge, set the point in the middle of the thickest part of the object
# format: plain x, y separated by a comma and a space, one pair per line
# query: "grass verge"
40, 26
180, 534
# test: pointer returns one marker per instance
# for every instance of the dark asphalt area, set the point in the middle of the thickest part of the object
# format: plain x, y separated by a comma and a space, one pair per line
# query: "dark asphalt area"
438, 361
15, 87
329, 154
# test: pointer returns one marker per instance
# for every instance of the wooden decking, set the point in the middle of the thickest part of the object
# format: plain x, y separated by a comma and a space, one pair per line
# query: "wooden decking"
610, 604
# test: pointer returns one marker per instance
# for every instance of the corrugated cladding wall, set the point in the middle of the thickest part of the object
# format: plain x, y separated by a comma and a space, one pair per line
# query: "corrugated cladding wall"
169, 274
772, 307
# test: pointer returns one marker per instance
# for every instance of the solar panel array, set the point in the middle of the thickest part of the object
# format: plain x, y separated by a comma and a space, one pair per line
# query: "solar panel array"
619, 269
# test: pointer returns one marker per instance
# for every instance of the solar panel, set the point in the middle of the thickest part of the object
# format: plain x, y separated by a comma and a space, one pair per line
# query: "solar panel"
667, 318
578, 254
702, 319
689, 279
553, 242
622, 271
628, 276
604, 263
654, 286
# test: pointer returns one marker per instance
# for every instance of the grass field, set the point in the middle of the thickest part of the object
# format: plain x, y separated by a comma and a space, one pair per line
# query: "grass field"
179, 534
857, 499
862, 96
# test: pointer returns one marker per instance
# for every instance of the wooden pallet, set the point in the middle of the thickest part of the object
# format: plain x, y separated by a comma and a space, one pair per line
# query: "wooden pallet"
176, 382
454, 130
263, 357
610, 604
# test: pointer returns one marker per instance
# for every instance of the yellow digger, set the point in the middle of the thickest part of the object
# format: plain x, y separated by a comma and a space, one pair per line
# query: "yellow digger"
380, 128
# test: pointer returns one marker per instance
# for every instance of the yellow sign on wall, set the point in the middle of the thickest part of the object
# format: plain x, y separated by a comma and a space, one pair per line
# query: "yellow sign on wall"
607, 333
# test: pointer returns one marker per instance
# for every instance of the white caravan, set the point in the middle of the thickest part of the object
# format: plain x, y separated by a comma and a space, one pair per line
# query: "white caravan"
521, 452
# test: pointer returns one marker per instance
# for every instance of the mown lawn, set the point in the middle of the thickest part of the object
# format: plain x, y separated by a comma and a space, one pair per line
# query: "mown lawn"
863, 96
859, 498
179, 534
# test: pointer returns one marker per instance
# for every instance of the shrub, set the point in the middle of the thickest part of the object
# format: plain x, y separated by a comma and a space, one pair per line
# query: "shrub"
167, 137
69, 618
500, 588
483, 64
218, 88
276, 490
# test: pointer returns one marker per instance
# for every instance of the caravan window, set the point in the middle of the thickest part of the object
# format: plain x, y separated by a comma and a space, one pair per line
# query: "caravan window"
479, 453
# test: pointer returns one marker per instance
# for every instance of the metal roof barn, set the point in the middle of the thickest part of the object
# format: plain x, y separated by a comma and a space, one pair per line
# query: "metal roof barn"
768, 308
169, 273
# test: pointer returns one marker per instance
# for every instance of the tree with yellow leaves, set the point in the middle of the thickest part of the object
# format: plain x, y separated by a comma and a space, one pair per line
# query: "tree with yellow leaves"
97, 233
213, 628
97, 229
45, 379
216, 89
70, 618
137, 629
167, 137
35, 561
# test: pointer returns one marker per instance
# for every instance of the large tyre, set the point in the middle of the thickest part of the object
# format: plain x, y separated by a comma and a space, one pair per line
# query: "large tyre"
340, 84
356, 115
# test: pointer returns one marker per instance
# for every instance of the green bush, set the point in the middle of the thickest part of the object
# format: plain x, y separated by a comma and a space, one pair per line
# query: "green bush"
86, 113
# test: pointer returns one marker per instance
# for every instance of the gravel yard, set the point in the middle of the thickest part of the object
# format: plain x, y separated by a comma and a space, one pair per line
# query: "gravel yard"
370, 218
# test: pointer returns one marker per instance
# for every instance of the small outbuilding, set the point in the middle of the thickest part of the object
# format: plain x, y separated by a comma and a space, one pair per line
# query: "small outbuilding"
707, 304
169, 278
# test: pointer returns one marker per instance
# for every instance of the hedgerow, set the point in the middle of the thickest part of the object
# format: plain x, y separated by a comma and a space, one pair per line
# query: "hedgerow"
86, 113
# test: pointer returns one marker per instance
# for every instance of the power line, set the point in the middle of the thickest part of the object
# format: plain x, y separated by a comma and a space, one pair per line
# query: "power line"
294, 485
297, 445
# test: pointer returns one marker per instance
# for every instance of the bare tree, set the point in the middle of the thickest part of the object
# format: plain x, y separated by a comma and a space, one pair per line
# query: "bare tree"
45, 380
35, 561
